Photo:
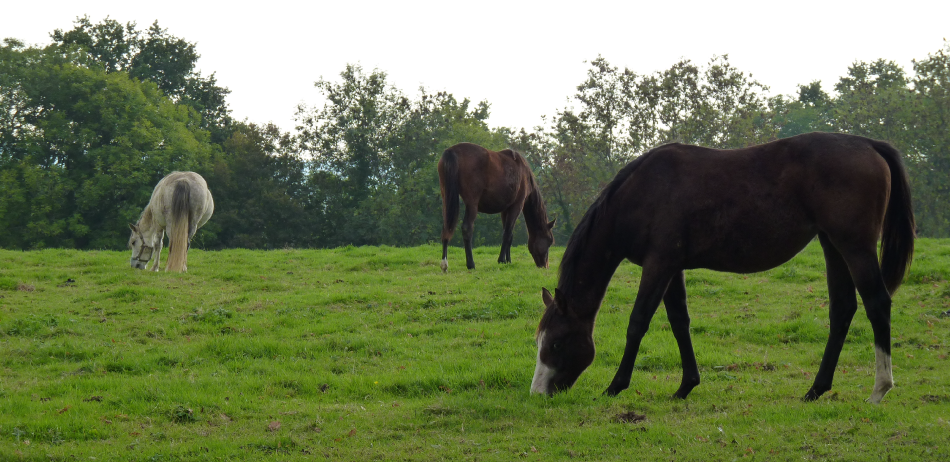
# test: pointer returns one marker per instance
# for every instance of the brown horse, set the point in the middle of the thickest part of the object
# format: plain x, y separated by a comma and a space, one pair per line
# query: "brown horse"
492, 182
681, 207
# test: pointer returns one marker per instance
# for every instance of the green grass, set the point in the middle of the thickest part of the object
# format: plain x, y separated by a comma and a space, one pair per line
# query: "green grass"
373, 354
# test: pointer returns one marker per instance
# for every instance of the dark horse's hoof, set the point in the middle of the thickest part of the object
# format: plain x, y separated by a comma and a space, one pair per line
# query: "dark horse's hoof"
611, 391
812, 395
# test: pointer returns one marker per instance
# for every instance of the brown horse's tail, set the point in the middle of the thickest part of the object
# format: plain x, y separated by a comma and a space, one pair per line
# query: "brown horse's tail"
449, 177
179, 225
897, 239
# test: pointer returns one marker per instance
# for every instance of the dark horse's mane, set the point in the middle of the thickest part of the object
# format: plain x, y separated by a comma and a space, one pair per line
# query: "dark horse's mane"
576, 245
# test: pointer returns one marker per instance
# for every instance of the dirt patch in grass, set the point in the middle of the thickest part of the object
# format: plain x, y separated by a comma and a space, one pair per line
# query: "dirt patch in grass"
630, 417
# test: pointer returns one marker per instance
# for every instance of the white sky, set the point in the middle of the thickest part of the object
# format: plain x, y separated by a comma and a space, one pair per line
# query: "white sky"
524, 57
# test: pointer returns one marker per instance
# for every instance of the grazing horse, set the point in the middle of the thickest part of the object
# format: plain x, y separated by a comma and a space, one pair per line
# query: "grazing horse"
492, 182
681, 207
180, 203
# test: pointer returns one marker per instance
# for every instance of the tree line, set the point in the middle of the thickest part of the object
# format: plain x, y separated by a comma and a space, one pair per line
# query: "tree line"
92, 121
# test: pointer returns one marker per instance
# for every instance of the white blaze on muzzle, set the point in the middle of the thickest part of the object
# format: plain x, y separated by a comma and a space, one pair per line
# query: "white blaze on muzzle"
542, 373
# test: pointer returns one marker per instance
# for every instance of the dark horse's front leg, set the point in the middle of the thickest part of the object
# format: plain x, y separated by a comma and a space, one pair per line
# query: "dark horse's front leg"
653, 286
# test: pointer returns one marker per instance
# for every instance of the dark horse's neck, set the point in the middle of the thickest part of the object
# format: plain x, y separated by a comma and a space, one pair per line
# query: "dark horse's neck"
535, 215
589, 263
594, 252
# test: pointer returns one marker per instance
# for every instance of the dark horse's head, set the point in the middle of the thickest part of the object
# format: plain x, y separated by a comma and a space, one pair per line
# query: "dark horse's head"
565, 345
539, 243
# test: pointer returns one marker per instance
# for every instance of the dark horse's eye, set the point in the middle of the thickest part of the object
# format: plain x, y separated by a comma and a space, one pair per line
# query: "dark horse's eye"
556, 346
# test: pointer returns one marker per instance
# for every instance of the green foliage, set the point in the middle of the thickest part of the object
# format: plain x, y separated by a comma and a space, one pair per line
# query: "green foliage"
154, 56
622, 114
259, 188
82, 149
90, 123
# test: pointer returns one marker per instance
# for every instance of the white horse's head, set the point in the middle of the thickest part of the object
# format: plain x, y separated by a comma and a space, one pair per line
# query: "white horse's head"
141, 249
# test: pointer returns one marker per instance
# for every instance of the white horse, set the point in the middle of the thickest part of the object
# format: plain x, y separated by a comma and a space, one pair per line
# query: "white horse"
180, 203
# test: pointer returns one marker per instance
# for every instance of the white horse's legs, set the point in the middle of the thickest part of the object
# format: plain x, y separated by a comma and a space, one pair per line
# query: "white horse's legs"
158, 253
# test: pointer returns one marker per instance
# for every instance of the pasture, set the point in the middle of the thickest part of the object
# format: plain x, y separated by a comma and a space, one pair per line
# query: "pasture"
372, 353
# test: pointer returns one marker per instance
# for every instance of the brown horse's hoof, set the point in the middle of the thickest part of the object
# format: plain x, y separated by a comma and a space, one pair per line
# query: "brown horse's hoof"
444, 265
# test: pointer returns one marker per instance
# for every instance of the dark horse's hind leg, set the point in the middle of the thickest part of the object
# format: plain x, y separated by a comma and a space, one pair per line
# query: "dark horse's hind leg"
508, 219
842, 305
468, 233
653, 286
877, 303
676, 312
865, 272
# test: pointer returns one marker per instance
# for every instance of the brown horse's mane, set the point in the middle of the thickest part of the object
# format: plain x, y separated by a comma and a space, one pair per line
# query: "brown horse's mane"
534, 203
577, 244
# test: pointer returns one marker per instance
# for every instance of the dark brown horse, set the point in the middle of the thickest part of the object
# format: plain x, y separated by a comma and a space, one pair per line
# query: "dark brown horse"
681, 207
492, 182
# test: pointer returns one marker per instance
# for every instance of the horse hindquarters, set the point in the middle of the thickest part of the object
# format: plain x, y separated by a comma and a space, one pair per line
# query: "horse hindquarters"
872, 207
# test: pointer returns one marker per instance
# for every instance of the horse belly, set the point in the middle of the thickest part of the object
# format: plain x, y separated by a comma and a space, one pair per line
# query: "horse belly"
758, 243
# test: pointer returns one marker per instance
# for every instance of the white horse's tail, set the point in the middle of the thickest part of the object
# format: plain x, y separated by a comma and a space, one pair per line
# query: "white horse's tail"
178, 228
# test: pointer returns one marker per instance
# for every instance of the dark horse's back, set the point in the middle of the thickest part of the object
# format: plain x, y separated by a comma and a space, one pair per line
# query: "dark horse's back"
778, 195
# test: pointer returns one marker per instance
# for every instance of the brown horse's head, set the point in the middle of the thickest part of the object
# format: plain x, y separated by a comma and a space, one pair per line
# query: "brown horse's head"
565, 346
539, 243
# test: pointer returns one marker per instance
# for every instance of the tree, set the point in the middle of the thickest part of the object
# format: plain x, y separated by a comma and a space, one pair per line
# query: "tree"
258, 182
622, 114
158, 57
374, 153
931, 174
81, 149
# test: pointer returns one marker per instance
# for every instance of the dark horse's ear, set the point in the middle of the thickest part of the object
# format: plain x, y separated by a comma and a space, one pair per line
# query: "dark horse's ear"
551, 225
561, 303
546, 297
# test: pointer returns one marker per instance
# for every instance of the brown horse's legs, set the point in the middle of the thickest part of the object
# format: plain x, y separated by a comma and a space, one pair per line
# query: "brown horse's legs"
653, 286
508, 220
468, 233
843, 304
676, 312
445, 255
448, 229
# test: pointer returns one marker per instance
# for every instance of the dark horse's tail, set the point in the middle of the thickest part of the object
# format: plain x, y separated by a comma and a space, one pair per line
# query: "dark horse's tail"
897, 239
450, 190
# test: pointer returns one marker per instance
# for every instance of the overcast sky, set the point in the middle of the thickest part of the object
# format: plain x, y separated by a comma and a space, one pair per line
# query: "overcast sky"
525, 58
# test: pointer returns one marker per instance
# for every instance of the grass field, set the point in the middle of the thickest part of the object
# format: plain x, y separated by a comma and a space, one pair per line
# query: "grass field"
373, 354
